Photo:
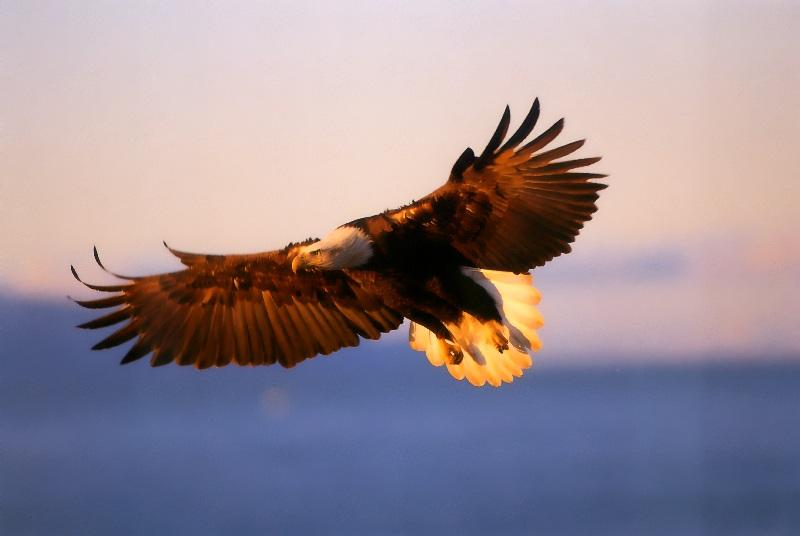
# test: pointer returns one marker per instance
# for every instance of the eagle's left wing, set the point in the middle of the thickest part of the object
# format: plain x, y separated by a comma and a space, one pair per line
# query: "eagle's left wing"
511, 208
243, 309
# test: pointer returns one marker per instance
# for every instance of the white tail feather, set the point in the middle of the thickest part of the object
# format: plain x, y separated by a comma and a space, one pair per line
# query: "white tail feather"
483, 362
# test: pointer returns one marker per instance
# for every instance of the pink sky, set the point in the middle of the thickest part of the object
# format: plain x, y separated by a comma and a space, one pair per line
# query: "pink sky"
240, 127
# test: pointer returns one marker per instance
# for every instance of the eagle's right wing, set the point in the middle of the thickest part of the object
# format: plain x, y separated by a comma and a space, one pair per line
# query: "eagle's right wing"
245, 309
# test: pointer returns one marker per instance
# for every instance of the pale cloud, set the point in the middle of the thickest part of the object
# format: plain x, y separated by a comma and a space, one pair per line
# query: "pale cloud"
714, 295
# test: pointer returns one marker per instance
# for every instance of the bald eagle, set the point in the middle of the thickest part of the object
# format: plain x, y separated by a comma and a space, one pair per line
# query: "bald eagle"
455, 264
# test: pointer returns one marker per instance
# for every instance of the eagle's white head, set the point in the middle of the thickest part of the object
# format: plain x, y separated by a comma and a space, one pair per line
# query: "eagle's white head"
344, 247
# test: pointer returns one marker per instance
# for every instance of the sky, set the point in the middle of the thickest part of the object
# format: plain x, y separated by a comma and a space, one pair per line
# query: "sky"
241, 126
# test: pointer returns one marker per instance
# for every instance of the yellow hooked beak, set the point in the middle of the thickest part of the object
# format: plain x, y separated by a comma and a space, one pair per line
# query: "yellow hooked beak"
299, 262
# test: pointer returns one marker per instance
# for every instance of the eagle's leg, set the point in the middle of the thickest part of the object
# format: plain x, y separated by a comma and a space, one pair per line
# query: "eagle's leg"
476, 301
499, 340
445, 338
453, 351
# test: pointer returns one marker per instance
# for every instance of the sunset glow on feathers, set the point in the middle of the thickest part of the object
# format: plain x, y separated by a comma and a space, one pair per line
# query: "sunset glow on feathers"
455, 263
483, 362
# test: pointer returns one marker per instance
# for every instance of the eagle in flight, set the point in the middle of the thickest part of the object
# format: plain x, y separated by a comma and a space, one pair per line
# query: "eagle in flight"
455, 263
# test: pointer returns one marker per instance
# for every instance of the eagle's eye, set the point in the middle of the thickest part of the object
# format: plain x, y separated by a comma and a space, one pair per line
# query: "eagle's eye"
316, 252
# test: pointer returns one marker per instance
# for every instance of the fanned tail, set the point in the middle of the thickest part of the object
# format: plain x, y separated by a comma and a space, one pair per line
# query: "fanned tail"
482, 361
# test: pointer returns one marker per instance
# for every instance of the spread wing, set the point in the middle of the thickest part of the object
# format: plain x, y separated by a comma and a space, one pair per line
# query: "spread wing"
511, 208
243, 309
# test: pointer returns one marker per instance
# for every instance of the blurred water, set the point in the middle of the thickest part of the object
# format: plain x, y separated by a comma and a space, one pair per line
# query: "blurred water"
375, 441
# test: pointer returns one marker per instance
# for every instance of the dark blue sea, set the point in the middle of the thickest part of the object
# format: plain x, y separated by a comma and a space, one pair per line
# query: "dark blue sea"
376, 441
